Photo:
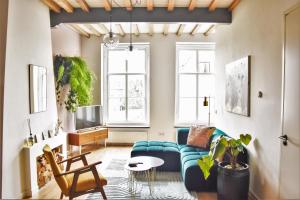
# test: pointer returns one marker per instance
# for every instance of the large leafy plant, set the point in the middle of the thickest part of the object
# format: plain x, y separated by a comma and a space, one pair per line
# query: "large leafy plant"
75, 72
224, 145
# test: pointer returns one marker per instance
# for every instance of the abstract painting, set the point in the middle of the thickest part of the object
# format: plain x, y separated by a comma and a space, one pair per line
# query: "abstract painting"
237, 97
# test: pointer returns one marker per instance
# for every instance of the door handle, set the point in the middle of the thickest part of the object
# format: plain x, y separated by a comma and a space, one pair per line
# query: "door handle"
284, 139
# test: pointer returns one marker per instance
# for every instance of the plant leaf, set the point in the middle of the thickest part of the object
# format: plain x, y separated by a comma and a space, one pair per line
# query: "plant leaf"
220, 148
245, 138
205, 163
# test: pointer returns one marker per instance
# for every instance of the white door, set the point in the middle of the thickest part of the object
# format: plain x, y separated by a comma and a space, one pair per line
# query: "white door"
290, 153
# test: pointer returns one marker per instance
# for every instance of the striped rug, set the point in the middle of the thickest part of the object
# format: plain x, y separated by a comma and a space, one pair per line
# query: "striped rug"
167, 186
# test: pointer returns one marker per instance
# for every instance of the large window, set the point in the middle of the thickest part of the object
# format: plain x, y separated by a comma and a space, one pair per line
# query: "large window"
194, 82
126, 85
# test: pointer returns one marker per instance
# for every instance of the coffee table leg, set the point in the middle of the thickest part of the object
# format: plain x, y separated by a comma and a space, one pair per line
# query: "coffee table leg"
148, 174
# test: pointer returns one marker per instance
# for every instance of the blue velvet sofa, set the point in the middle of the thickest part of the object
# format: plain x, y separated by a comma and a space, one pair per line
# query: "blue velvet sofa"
181, 157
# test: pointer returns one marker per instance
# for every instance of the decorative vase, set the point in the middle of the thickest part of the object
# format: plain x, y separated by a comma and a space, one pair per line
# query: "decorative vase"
69, 125
233, 184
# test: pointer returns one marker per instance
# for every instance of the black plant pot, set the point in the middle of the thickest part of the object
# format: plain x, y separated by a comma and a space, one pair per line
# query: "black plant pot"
233, 184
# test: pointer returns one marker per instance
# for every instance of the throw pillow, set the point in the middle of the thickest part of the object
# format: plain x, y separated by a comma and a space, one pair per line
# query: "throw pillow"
199, 136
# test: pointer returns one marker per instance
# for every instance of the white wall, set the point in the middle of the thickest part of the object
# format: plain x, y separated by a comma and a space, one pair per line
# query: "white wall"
28, 42
65, 41
3, 30
257, 30
162, 79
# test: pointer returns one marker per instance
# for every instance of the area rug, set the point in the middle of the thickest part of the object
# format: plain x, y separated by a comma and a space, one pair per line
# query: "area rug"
167, 186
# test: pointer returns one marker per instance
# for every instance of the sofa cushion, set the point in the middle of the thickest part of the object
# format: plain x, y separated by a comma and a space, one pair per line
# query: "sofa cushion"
199, 136
168, 151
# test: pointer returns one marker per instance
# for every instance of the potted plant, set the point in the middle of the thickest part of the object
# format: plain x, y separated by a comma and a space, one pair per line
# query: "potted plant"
74, 86
233, 176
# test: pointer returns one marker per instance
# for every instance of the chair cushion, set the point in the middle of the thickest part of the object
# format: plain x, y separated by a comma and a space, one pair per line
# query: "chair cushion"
86, 181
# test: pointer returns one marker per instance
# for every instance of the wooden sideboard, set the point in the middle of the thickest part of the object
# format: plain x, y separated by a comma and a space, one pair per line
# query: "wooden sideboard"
88, 136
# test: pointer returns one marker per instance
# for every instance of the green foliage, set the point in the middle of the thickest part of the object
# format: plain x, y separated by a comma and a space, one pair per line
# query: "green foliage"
81, 81
74, 71
206, 163
61, 71
218, 149
72, 101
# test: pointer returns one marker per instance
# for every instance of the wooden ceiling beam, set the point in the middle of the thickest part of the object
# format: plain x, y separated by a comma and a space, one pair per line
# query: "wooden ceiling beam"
103, 28
52, 5
158, 15
93, 29
84, 6
166, 29
192, 5
128, 5
233, 5
97, 28
171, 5
150, 29
136, 30
208, 31
212, 6
195, 29
150, 5
107, 6
79, 30
65, 5
180, 29
120, 30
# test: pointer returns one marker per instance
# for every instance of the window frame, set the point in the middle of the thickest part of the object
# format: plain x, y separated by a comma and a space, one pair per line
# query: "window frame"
105, 86
198, 47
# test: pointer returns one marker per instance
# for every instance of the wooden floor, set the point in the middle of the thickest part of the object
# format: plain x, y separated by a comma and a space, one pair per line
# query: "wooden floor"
52, 191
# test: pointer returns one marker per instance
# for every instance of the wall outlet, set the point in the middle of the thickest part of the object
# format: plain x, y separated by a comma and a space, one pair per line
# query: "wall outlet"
161, 133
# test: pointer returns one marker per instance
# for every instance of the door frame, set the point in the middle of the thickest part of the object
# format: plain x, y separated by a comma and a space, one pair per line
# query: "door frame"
288, 11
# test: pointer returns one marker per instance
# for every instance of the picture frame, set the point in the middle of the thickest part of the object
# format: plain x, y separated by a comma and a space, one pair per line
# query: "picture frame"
35, 139
50, 134
43, 136
237, 91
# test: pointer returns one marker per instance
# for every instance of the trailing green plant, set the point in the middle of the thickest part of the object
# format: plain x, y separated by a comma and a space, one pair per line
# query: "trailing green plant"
72, 101
224, 145
74, 71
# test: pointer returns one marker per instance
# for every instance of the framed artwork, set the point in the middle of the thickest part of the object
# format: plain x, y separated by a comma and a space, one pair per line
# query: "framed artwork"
237, 97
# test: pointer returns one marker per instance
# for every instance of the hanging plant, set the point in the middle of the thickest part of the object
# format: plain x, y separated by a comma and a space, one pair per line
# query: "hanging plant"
74, 71
72, 101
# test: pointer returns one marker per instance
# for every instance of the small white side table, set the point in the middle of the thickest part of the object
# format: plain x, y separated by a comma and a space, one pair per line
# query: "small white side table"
147, 165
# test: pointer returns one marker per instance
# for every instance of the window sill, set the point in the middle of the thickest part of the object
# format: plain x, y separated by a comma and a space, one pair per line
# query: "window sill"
127, 126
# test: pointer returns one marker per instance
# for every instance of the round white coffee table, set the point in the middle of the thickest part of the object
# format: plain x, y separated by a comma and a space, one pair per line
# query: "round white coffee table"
144, 164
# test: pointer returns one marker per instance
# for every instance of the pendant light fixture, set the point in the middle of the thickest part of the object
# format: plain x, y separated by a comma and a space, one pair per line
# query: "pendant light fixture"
130, 35
110, 40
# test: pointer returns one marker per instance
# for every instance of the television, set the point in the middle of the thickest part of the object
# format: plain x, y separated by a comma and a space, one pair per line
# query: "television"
88, 117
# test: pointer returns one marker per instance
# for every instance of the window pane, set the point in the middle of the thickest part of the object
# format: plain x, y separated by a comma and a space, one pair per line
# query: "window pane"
116, 61
203, 110
187, 85
116, 85
206, 86
206, 61
136, 86
136, 61
187, 61
136, 109
117, 109
187, 109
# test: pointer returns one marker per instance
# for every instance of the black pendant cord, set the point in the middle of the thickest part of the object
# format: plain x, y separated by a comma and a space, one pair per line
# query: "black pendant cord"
130, 35
110, 19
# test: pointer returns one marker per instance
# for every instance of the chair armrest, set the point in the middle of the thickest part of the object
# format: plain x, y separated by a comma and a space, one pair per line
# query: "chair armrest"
182, 135
81, 169
74, 158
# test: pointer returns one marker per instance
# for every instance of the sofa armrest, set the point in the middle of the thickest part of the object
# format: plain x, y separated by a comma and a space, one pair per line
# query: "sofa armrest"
182, 135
